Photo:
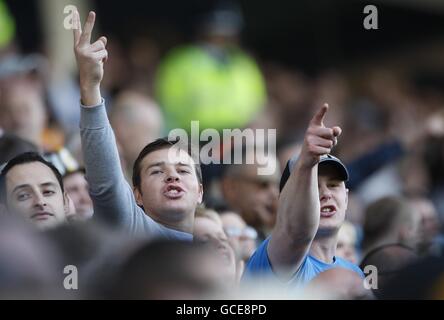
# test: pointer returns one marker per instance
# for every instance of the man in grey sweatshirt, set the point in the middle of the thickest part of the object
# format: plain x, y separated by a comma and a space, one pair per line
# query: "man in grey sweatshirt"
167, 186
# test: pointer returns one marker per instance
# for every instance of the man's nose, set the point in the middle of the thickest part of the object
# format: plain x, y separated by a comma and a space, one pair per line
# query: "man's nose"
324, 193
172, 176
85, 197
39, 200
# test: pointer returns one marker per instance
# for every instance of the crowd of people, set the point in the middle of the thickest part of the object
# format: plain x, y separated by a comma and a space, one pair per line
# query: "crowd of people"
358, 181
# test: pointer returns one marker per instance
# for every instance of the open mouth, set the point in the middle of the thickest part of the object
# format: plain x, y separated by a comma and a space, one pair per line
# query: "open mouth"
41, 215
328, 211
172, 191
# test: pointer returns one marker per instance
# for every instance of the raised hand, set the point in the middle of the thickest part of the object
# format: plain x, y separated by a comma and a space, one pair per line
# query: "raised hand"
319, 140
90, 59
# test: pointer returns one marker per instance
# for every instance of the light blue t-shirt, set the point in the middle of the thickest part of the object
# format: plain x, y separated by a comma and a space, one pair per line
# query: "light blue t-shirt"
259, 266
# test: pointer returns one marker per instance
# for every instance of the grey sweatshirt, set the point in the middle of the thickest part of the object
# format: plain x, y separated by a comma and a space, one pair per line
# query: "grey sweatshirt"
111, 194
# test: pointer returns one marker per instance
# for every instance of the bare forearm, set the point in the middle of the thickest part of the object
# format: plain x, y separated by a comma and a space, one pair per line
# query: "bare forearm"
90, 95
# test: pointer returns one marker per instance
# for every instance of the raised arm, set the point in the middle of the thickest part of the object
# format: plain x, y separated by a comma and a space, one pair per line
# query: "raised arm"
90, 59
112, 196
299, 206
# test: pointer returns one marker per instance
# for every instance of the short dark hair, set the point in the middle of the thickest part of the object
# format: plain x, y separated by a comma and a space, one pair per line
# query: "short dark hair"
158, 144
24, 158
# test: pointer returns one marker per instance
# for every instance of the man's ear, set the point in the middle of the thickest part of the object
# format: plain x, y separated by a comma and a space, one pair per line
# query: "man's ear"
138, 196
346, 198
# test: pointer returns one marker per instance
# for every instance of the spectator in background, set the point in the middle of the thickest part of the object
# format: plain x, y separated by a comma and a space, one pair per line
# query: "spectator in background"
240, 233
392, 234
23, 105
430, 242
208, 229
346, 247
77, 188
137, 121
390, 220
253, 195
33, 188
22, 112
213, 81
241, 237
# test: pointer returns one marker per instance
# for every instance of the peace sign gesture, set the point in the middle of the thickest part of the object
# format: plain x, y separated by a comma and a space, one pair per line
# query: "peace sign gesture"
90, 59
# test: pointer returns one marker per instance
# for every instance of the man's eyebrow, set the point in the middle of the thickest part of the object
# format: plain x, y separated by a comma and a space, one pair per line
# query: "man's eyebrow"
184, 164
48, 184
157, 164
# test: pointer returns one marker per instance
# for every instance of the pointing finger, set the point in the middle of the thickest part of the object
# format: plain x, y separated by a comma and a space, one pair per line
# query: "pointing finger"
318, 118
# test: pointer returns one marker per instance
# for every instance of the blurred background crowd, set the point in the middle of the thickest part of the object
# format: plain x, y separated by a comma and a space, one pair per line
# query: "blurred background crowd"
232, 64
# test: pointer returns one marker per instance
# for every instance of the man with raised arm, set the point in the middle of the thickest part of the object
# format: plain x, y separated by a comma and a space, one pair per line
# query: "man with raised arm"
167, 186
312, 207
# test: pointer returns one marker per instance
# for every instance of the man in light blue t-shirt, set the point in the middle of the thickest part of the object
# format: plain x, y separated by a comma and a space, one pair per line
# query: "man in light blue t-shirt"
312, 207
